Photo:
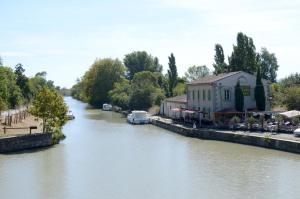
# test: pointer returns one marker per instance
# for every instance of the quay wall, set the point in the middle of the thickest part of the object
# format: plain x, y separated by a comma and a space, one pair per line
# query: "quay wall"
22, 142
248, 139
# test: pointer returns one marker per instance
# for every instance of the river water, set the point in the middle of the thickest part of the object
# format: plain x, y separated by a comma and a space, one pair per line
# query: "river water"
104, 157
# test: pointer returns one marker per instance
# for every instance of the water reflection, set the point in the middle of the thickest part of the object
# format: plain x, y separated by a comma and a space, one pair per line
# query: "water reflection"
104, 157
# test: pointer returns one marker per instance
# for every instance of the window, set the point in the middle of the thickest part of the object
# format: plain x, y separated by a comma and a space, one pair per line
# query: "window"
204, 95
193, 94
208, 95
208, 113
226, 95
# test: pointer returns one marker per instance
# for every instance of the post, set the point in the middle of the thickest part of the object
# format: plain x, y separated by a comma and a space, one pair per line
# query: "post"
4, 130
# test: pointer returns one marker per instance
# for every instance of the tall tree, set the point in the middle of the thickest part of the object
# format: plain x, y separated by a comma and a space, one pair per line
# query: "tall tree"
268, 64
260, 92
172, 74
141, 61
22, 82
239, 98
196, 72
100, 79
220, 66
244, 56
1, 62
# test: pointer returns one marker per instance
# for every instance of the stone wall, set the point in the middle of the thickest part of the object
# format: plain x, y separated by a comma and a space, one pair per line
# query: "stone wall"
18, 143
261, 141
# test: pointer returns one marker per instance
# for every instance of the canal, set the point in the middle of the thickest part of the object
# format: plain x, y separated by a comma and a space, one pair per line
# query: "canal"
104, 157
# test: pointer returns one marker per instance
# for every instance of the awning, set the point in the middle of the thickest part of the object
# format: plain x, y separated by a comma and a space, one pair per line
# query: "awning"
291, 114
189, 111
176, 109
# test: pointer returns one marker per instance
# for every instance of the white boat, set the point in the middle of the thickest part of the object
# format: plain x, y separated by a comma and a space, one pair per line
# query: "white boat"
138, 117
107, 107
297, 132
70, 116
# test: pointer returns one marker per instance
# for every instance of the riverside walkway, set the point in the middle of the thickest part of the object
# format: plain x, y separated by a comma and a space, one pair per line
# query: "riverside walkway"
284, 142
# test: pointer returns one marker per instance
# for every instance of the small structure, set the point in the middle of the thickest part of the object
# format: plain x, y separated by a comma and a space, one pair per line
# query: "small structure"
173, 107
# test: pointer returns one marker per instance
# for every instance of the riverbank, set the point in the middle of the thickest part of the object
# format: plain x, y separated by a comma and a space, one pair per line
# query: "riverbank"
281, 142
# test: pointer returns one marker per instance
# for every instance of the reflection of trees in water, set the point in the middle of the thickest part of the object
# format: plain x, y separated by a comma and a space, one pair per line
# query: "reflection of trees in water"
108, 116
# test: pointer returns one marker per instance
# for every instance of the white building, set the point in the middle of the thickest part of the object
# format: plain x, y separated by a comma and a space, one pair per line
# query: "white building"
216, 93
170, 106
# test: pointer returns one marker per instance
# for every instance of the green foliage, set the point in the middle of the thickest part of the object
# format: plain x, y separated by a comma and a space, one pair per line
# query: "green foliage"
100, 79
120, 94
220, 66
243, 57
23, 82
172, 74
239, 98
292, 98
234, 120
10, 93
268, 64
291, 81
51, 108
141, 61
1, 62
180, 89
251, 120
260, 92
145, 91
196, 72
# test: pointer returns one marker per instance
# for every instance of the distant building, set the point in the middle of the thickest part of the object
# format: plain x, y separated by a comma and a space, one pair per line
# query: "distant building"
170, 106
215, 94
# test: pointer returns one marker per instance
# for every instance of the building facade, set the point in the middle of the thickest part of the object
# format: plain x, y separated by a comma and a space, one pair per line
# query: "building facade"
170, 105
216, 93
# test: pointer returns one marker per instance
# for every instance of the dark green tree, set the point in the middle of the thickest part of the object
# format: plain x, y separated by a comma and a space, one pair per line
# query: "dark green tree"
244, 57
141, 61
260, 92
145, 91
100, 79
23, 82
172, 74
120, 94
268, 64
1, 62
219, 65
239, 98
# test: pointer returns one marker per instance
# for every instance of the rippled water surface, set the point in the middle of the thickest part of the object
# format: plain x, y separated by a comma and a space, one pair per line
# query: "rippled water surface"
104, 157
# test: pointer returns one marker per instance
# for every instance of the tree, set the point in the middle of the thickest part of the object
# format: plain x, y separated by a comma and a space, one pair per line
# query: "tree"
292, 98
196, 72
268, 64
260, 92
172, 74
22, 82
141, 61
1, 62
145, 91
244, 57
51, 108
100, 79
179, 89
10, 93
220, 66
120, 94
290, 81
239, 98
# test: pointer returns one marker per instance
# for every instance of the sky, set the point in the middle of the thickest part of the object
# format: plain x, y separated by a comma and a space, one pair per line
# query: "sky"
64, 38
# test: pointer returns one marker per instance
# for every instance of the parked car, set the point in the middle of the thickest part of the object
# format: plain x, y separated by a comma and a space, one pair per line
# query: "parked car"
138, 117
297, 132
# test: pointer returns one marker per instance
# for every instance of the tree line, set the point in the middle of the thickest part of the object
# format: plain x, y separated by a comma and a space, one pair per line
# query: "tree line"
137, 82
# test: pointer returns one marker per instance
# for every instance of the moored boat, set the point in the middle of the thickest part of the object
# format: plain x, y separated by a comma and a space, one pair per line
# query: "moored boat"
138, 117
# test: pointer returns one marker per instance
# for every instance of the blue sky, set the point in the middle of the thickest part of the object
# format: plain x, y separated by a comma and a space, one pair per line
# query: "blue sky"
65, 37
